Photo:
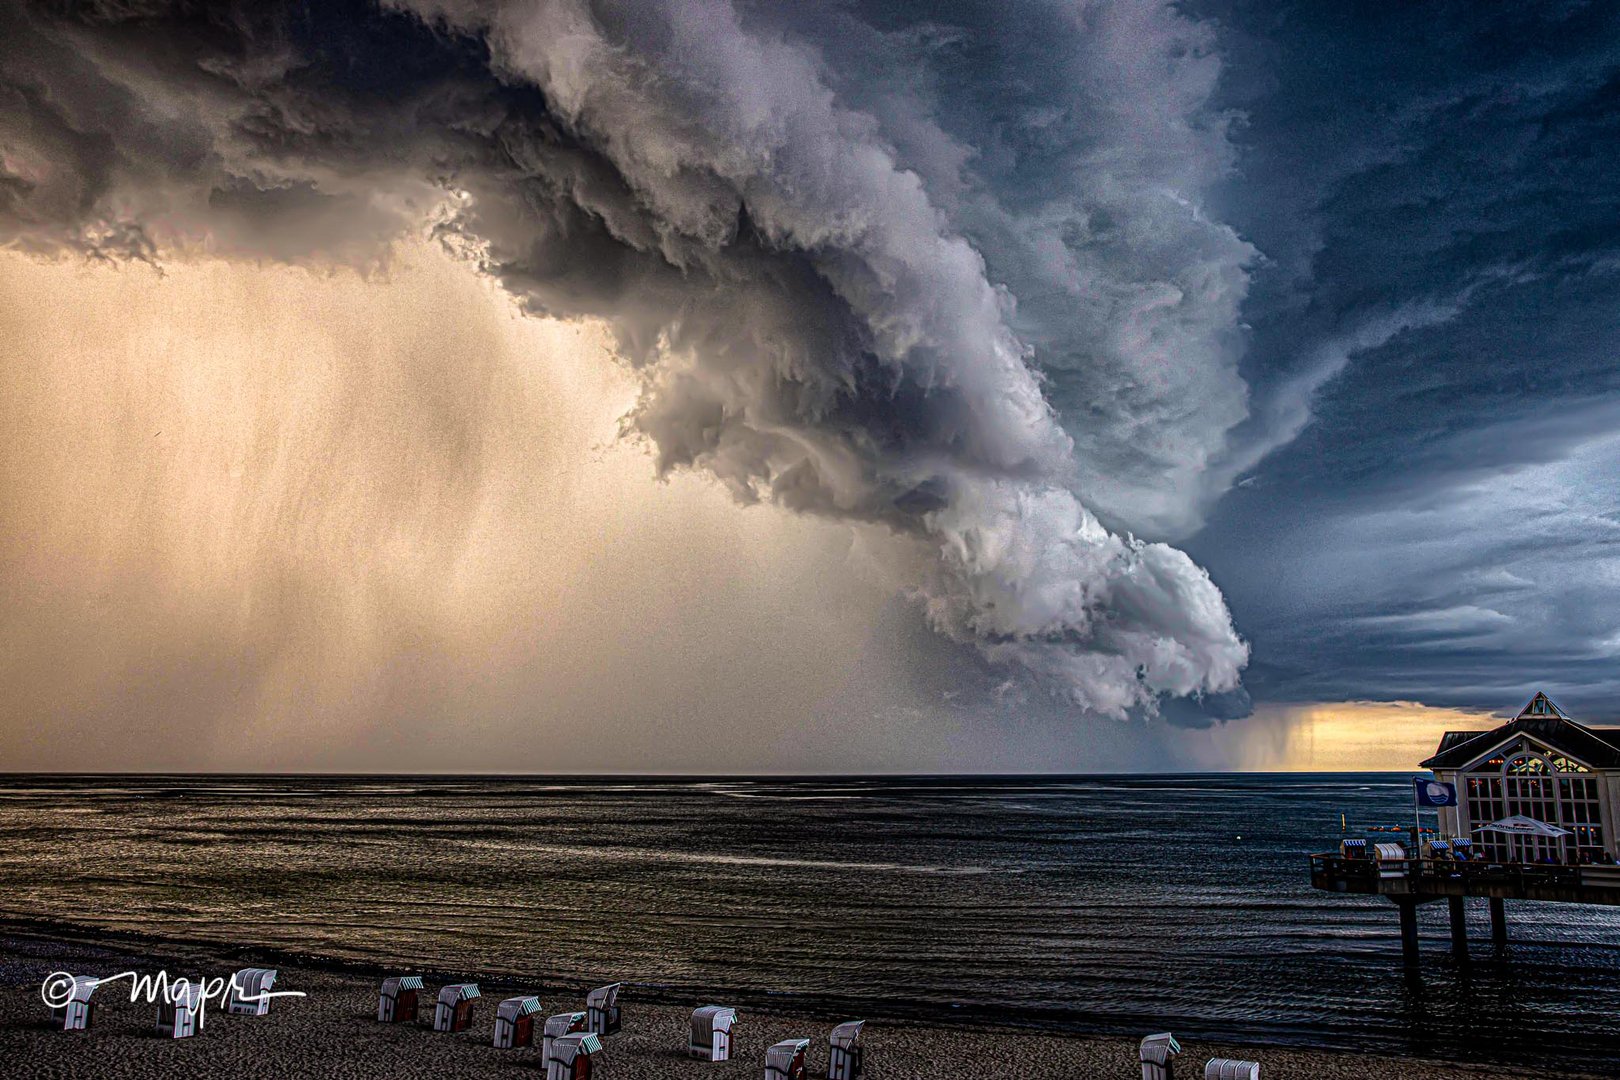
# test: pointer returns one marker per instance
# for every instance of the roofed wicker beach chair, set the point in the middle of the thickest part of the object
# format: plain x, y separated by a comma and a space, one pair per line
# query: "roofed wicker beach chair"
514, 1022
559, 1025
1353, 848
454, 1009
1391, 860
1231, 1069
602, 1009
248, 993
711, 1033
397, 1002
78, 1011
570, 1056
1156, 1053
785, 1060
177, 1012
844, 1052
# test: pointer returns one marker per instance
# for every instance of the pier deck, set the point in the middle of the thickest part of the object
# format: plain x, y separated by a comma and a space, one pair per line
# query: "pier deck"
1410, 882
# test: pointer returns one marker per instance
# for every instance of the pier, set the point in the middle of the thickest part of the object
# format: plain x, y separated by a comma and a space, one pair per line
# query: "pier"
1526, 811
1423, 881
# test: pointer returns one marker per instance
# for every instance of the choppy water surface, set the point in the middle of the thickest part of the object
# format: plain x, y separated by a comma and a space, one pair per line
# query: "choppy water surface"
1093, 904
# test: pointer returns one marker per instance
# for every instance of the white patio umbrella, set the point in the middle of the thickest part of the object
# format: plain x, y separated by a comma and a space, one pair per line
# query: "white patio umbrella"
1520, 825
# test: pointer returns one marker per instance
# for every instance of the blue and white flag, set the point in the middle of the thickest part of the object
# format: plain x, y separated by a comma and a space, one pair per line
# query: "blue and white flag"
1434, 793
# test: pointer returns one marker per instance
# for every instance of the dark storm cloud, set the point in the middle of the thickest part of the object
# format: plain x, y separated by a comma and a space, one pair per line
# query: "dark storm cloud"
1019, 286
1078, 165
840, 293
1433, 351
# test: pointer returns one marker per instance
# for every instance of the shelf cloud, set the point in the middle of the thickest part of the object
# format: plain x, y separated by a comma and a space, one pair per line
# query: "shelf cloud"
1003, 328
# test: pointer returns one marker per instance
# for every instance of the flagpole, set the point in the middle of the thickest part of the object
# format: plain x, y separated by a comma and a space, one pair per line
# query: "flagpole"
1417, 823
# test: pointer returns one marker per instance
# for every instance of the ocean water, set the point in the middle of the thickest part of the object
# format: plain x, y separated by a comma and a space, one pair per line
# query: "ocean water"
1090, 904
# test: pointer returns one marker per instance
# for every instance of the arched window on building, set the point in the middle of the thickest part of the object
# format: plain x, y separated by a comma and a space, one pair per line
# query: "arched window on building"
1547, 787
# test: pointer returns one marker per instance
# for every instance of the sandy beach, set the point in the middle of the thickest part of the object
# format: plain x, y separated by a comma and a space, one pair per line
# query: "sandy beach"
333, 1033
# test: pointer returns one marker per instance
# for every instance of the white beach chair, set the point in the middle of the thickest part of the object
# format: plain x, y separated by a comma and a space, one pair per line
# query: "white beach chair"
177, 1013
454, 1009
844, 1051
711, 1033
1231, 1069
559, 1025
785, 1060
78, 1011
397, 1002
602, 1010
570, 1056
514, 1022
1391, 860
1156, 1052
246, 996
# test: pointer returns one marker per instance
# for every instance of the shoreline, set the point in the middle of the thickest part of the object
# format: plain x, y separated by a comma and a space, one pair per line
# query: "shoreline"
333, 1031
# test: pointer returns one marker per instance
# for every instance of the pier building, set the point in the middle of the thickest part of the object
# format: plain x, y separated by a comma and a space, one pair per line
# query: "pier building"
1541, 765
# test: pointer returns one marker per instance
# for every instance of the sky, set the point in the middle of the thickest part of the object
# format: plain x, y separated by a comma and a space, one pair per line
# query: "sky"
700, 386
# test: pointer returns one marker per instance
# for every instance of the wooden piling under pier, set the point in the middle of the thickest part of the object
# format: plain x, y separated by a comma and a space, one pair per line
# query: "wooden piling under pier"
1409, 936
1459, 928
1499, 937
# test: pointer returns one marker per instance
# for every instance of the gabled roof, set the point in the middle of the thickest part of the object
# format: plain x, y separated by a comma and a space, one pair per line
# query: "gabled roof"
1542, 721
1455, 738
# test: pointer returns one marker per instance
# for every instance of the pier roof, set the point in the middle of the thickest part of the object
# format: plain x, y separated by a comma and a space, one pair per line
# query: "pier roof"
1543, 721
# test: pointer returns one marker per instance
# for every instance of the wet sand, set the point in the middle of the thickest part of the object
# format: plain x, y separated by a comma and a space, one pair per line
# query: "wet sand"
333, 1032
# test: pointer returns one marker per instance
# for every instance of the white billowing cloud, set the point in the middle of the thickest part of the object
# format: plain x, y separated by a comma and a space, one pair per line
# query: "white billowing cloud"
809, 323
1031, 574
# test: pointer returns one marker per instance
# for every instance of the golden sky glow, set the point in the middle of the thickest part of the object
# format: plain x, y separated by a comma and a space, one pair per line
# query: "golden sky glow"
1350, 736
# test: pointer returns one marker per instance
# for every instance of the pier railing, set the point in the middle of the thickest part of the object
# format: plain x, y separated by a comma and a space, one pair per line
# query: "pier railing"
1337, 873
